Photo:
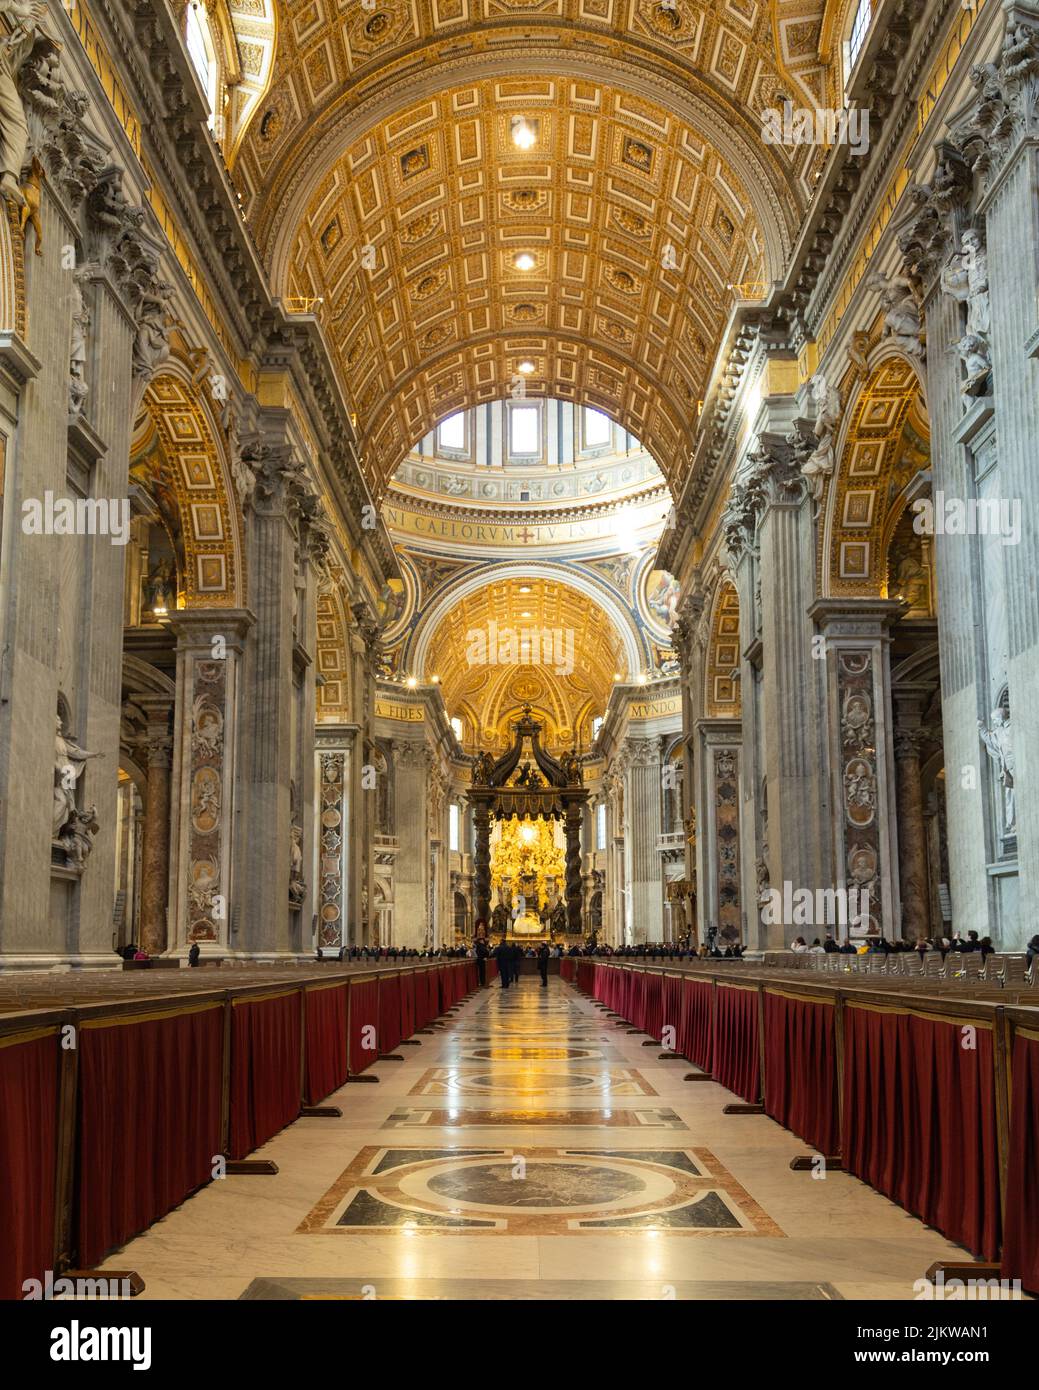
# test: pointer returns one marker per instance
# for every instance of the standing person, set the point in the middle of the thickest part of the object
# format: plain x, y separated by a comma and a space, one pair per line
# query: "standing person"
517, 960
543, 954
194, 953
481, 953
503, 955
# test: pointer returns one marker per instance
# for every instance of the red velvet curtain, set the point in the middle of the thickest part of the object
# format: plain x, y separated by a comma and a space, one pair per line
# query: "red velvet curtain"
698, 1023
407, 1004
920, 1120
389, 1013
671, 1010
801, 1069
566, 969
737, 1062
149, 1122
325, 1043
653, 989
265, 1069
28, 1158
492, 969
585, 976
1021, 1237
637, 999
432, 1004
364, 1024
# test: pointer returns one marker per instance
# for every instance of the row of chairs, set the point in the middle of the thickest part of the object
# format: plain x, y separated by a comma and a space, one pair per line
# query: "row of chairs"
1005, 971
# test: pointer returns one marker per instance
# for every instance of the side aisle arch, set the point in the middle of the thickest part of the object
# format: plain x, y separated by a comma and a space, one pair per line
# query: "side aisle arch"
887, 431
211, 521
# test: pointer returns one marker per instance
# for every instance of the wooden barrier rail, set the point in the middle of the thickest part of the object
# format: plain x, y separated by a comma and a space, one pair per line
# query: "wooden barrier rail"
113, 1112
930, 1097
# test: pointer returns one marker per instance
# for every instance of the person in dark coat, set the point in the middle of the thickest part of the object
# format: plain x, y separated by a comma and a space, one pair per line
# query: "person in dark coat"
516, 960
194, 953
481, 952
503, 955
543, 954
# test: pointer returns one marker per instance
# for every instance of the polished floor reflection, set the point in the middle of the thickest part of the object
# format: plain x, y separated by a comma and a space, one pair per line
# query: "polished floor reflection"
532, 1147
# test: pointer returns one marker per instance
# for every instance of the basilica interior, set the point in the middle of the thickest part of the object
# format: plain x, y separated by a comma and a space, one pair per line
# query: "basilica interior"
510, 522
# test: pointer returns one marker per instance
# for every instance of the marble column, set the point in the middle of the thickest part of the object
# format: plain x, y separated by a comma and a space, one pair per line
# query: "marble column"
263, 921
334, 813
719, 829
207, 874
574, 815
856, 635
482, 860
412, 871
912, 834
155, 848
1011, 214
799, 845
642, 827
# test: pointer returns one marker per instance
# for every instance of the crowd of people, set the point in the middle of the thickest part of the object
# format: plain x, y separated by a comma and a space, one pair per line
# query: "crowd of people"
880, 945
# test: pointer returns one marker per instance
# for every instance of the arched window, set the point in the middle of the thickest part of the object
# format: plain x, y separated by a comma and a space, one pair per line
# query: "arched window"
198, 38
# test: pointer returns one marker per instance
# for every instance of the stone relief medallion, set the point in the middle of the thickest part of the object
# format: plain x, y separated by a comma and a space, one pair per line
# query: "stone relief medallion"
657, 600
203, 878
205, 800
860, 792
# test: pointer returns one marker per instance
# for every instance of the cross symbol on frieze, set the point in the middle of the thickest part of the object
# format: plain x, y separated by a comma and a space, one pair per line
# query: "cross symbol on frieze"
526, 535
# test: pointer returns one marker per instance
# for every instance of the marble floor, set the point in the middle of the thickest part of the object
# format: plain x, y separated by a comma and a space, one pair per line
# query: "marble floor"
532, 1147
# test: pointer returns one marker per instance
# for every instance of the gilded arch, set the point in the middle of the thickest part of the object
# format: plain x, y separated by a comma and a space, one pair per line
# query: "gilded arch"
333, 655
887, 424
210, 517
721, 669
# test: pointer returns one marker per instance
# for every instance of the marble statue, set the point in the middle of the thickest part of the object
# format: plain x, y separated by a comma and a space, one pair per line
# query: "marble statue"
78, 388
76, 837
297, 883
965, 278
69, 762
151, 345
820, 463
977, 364
1000, 750
25, 18
901, 311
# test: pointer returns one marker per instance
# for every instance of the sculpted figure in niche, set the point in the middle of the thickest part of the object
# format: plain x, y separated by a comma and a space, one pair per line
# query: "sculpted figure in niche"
297, 883
997, 742
78, 388
69, 762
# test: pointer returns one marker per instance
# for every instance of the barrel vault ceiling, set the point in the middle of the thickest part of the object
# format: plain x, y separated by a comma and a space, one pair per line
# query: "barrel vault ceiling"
387, 193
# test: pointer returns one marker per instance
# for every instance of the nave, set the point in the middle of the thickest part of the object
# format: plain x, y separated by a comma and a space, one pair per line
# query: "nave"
531, 1147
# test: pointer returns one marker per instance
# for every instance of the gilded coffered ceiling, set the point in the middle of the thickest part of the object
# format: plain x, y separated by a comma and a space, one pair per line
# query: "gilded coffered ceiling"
568, 650
601, 257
